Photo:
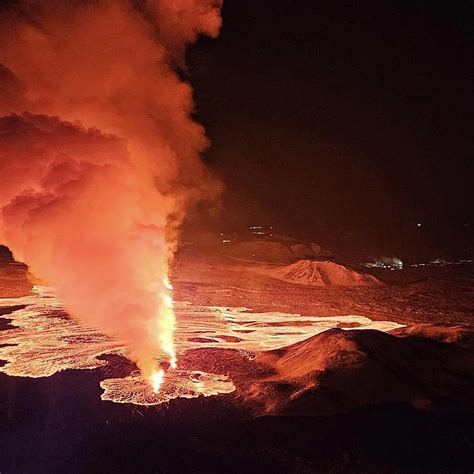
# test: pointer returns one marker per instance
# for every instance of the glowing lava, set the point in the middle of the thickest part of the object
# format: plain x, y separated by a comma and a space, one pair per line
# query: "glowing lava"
157, 379
167, 324
42, 341
166, 329
178, 384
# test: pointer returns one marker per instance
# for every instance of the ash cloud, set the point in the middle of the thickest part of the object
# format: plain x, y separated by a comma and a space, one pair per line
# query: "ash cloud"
99, 154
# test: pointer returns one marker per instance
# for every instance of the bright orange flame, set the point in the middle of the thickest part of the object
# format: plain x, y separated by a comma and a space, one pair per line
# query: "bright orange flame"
157, 378
166, 329
167, 283
167, 324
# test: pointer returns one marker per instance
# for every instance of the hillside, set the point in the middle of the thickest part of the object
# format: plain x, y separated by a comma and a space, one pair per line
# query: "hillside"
275, 252
321, 274
338, 370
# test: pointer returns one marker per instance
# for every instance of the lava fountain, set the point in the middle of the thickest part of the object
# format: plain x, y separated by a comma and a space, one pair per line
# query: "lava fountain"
100, 157
166, 328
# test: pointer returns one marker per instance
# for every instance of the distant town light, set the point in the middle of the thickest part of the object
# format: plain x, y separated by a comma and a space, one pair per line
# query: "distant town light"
391, 263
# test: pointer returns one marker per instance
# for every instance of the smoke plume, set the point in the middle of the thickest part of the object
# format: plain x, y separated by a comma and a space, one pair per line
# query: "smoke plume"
99, 154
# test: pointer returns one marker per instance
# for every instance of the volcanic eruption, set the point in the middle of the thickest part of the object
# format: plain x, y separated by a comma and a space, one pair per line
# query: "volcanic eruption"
100, 157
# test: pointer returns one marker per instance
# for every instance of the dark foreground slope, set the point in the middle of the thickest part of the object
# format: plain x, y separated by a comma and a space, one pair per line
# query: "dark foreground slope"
58, 424
385, 404
336, 371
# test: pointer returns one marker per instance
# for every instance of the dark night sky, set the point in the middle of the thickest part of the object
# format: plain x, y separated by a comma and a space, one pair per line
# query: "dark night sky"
344, 121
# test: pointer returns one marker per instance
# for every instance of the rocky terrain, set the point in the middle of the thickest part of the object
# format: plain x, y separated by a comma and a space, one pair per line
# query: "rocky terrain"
337, 371
345, 400
320, 273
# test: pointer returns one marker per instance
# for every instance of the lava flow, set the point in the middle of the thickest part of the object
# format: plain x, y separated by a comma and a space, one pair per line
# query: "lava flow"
42, 340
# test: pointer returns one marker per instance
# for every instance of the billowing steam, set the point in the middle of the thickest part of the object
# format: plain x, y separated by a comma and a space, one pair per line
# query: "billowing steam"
99, 155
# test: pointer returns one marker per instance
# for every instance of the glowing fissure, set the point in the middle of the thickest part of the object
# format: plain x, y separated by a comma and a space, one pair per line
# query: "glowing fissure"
44, 341
179, 384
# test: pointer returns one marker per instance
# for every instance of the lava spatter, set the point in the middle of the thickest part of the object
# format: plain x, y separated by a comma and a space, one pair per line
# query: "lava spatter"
177, 384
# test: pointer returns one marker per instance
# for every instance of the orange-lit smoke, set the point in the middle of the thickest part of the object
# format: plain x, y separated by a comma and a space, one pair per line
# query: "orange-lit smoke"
99, 155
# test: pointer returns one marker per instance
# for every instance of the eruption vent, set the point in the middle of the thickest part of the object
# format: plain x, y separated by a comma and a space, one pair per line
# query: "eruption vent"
99, 156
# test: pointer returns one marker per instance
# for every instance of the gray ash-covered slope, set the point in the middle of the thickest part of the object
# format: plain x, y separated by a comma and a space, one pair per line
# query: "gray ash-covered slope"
322, 274
339, 370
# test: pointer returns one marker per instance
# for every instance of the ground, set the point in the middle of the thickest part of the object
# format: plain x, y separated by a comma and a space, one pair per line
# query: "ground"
60, 424
422, 294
